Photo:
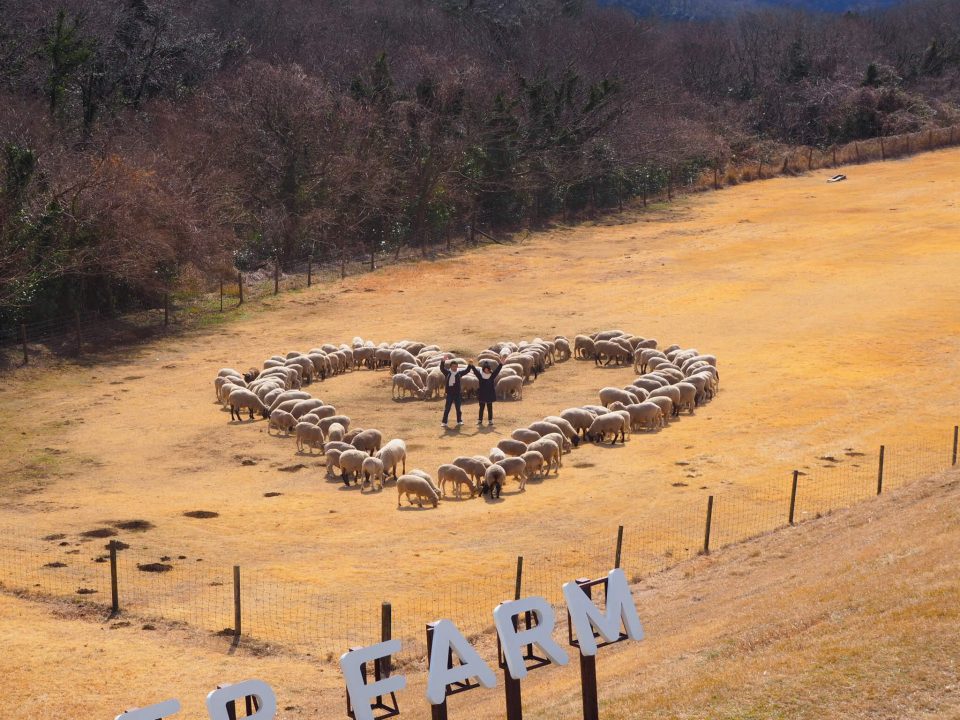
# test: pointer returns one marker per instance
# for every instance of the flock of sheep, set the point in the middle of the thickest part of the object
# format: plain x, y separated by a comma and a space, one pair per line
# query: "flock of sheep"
672, 380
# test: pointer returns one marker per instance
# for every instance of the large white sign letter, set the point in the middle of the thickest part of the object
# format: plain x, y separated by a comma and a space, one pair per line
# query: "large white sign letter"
446, 636
585, 616
362, 693
218, 699
513, 640
154, 712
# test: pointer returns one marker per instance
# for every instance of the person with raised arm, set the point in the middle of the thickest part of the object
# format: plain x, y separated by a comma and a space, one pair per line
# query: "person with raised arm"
454, 393
487, 393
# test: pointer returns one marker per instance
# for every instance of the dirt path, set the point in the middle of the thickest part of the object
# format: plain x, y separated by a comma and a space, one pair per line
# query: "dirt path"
834, 310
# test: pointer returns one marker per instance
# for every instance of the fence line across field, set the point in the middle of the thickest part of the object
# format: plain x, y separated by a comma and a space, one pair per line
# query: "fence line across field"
220, 294
327, 620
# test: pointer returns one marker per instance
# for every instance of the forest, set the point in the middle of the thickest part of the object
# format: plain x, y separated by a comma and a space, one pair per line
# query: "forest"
146, 144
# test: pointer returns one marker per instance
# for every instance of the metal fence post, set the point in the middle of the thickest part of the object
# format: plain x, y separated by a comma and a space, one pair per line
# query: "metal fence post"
240, 286
114, 588
880, 471
237, 626
956, 431
276, 277
793, 495
516, 591
706, 533
23, 339
616, 559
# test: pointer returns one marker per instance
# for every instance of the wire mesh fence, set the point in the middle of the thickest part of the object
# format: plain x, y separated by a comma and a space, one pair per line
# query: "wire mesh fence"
210, 296
325, 620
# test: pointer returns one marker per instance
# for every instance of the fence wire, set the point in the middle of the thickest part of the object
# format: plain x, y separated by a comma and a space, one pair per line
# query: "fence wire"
325, 621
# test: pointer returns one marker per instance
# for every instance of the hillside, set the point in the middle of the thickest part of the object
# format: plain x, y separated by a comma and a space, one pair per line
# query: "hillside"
827, 305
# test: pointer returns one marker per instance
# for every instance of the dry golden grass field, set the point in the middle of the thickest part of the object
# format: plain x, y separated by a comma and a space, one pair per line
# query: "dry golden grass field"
834, 311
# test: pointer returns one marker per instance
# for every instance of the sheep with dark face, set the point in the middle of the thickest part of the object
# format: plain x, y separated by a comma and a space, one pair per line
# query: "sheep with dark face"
493, 481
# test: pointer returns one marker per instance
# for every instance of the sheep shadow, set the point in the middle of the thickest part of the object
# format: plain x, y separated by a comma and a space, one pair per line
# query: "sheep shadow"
408, 508
248, 421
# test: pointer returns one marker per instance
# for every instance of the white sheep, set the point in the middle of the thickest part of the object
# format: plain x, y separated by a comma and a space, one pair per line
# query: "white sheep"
308, 435
335, 431
612, 423
458, 477
535, 463
281, 420
368, 440
351, 464
419, 487
516, 468
510, 387
512, 448
243, 399
550, 452
372, 469
392, 454
404, 385
609, 395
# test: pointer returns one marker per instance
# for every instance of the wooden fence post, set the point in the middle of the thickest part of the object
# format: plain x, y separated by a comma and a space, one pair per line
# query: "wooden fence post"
237, 625
793, 495
880, 471
309, 271
23, 339
856, 148
883, 152
276, 277
706, 533
166, 309
588, 674
221, 295
114, 587
76, 323
956, 431
386, 633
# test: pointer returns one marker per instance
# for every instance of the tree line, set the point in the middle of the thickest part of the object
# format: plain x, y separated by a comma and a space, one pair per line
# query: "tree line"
146, 145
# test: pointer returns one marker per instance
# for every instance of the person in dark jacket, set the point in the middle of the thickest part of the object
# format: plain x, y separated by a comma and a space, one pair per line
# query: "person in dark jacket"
452, 378
488, 389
